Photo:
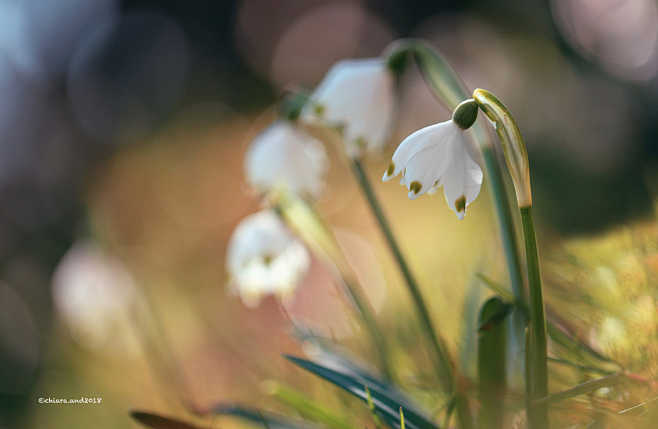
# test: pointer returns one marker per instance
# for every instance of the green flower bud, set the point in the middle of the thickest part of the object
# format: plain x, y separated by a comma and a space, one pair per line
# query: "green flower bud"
465, 114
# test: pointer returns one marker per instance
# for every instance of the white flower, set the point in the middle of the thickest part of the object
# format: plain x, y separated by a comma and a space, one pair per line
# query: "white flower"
94, 294
358, 97
264, 258
284, 155
436, 156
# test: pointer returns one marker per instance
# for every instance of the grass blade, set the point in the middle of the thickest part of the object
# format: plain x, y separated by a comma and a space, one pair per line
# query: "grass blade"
386, 400
581, 389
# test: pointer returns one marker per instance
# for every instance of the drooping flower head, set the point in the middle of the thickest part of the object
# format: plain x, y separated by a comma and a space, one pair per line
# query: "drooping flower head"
94, 294
264, 258
438, 155
285, 155
356, 96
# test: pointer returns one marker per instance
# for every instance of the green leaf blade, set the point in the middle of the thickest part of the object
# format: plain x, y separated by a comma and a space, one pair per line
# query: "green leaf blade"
387, 401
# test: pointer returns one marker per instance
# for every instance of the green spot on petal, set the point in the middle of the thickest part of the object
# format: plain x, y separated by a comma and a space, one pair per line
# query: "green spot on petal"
267, 259
390, 169
318, 109
460, 204
415, 186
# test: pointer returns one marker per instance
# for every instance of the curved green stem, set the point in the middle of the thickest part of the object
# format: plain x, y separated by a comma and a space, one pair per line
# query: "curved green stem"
536, 356
502, 206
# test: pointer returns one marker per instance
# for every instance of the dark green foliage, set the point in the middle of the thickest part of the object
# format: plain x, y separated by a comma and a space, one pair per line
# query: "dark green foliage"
386, 399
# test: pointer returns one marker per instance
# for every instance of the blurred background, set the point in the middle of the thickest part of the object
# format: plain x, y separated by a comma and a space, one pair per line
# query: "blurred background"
127, 122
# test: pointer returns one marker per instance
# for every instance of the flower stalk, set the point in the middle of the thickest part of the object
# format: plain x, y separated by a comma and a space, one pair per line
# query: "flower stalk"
516, 158
536, 355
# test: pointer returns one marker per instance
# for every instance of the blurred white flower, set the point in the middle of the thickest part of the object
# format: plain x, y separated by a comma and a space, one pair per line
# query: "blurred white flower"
264, 258
284, 155
94, 294
436, 156
356, 96
612, 336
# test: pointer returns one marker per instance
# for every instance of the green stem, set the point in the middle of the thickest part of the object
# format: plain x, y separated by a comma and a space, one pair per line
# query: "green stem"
505, 222
441, 358
442, 361
536, 355
502, 204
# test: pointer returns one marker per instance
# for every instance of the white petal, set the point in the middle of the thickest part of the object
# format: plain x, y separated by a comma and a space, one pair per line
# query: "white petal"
264, 258
417, 142
284, 155
426, 168
462, 179
358, 96
425, 164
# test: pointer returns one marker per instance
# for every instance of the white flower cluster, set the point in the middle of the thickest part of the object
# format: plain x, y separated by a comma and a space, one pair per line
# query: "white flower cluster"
356, 98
